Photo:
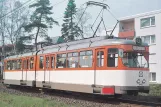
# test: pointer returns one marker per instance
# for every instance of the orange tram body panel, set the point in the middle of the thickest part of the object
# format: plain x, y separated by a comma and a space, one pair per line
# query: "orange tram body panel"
98, 65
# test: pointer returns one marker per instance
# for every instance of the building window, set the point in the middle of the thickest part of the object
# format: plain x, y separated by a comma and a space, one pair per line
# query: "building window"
61, 61
152, 76
147, 39
152, 20
150, 39
146, 22
72, 61
86, 59
112, 60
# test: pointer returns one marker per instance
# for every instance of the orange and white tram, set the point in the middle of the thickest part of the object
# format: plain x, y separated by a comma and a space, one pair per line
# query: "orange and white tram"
96, 65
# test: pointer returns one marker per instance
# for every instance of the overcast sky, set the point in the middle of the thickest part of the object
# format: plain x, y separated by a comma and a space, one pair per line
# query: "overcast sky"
120, 8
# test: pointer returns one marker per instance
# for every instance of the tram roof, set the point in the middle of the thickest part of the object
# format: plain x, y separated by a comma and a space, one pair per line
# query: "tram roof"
85, 43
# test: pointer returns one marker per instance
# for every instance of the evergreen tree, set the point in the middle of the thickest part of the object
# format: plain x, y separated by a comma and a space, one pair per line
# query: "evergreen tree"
40, 19
69, 28
20, 44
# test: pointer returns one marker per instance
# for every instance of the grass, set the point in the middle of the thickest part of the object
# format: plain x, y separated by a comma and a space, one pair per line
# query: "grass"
8, 100
155, 90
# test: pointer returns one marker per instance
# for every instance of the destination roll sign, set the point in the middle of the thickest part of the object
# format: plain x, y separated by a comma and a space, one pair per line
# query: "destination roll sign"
138, 48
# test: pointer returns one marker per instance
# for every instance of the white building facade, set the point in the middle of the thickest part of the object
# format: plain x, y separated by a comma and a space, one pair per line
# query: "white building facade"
148, 27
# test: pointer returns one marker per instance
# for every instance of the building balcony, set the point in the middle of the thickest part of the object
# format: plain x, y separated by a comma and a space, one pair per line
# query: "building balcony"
127, 34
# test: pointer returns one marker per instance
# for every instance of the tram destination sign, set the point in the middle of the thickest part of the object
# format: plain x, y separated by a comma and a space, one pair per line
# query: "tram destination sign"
138, 48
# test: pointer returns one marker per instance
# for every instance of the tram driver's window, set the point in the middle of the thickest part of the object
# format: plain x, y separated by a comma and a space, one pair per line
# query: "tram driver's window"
112, 60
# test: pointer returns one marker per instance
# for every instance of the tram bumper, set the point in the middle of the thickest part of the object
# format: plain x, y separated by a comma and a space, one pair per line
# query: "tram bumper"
125, 89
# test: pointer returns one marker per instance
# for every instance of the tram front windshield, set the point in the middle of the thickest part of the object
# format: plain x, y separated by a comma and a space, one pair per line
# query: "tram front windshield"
135, 59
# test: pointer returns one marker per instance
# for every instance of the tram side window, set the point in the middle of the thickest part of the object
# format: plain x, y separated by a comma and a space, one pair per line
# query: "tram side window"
24, 64
100, 59
8, 65
72, 60
14, 64
85, 59
11, 65
27, 66
19, 63
52, 61
31, 63
112, 60
47, 62
61, 61
5, 65
41, 65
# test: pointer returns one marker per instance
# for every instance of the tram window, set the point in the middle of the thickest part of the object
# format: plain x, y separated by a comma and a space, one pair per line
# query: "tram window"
8, 65
19, 63
14, 64
100, 59
52, 61
27, 65
5, 65
47, 62
112, 60
41, 63
61, 61
31, 63
85, 59
72, 60
24, 64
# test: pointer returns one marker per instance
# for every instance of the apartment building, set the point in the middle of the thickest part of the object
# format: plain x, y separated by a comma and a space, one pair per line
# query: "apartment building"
148, 27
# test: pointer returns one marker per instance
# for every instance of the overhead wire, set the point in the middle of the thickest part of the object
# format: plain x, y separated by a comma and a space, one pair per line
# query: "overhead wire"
16, 9
104, 22
82, 15
25, 5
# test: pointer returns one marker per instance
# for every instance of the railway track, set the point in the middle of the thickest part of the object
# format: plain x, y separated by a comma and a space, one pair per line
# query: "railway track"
83, 100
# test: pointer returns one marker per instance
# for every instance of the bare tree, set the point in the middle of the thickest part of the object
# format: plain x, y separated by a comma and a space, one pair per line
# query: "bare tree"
83, 21
16, 21
3, 21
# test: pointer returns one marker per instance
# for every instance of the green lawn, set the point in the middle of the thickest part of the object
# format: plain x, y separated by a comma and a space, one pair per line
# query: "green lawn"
7, 100
155, 90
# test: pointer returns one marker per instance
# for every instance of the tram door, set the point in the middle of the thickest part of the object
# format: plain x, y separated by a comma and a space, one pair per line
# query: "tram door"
47, 69
25, 68
100, 59
99, 62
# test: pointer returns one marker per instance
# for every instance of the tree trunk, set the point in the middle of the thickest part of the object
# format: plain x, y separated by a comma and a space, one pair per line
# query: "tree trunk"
82, 31
38, 29
72, 36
